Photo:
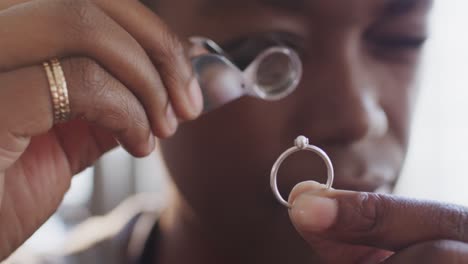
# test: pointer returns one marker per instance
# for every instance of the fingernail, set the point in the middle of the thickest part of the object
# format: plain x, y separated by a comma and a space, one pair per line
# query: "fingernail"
171, 120
305, 187
314, 213
196, 96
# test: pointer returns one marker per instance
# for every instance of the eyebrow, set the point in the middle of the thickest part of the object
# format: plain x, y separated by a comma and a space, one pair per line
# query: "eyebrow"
287, 5
402, 7
390, 7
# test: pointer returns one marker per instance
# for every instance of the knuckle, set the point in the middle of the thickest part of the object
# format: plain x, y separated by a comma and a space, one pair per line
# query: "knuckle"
87, 82
125, 111
115, 118
122, 115
170, 57
103, 99
112, 112
80, 16
135, 113
171, 47
93, 78
365, 215
453, 221
115, 106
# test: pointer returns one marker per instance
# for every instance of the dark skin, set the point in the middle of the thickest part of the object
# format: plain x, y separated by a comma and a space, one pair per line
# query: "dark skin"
355, 101
359, 59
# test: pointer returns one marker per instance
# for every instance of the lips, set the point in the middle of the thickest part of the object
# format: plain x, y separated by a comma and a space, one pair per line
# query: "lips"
359, 171
355, 177
355, 184
367, 171
370, 165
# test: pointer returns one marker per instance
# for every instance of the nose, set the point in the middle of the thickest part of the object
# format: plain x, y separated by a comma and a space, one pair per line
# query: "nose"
340, 100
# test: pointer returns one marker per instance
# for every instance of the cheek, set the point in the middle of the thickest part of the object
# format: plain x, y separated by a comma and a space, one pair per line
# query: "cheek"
398, 88
228, 150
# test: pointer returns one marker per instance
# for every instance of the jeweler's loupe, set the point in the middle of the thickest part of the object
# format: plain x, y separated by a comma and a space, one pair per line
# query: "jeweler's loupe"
272, 75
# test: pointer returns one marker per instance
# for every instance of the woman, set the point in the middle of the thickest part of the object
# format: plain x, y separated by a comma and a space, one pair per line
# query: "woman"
129, 81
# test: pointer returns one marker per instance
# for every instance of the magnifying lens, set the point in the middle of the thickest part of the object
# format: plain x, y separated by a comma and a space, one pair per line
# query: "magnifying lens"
272, 75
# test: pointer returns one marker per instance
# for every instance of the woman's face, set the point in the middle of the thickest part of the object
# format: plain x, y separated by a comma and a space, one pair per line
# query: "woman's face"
360, 59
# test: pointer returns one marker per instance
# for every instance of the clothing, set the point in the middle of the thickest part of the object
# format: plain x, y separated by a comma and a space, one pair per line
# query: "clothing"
128, 234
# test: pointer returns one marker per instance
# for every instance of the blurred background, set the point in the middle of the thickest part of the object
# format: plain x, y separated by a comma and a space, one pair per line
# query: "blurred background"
437, 165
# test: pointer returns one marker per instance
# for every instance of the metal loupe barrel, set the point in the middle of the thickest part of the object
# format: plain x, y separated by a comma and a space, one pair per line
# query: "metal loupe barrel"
273, 74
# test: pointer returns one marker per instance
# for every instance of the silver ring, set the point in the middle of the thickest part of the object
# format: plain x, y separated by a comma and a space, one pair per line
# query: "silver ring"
301, 143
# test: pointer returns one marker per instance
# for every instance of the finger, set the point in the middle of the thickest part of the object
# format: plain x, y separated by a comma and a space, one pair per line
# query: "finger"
165, 50
4, 4
60, 28
435, 252
94, 96
376, 220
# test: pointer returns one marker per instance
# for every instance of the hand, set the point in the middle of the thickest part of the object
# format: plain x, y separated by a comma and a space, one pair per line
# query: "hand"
128, 81
352, 227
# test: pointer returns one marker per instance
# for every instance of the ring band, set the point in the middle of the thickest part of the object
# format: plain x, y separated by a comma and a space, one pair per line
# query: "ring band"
58, 90
301, 143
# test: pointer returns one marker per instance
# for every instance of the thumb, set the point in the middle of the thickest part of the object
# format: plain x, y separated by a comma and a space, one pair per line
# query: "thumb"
375, 220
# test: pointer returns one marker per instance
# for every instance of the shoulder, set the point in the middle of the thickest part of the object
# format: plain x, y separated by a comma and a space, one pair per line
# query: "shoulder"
118, 237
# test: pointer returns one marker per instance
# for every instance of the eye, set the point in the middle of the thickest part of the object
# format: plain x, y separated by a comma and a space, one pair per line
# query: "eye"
242, 51
403, 48
397, 42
